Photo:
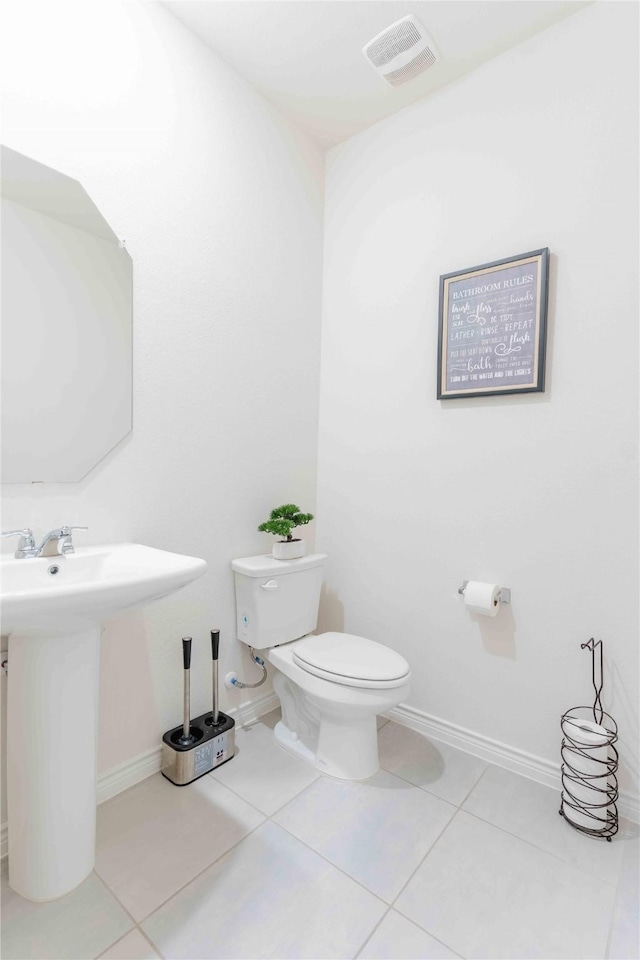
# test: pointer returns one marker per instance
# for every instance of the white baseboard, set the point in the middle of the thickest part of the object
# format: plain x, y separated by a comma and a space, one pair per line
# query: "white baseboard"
133, 771
494, 751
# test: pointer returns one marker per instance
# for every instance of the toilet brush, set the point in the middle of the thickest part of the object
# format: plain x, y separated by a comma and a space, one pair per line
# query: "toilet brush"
196, 747
187, 737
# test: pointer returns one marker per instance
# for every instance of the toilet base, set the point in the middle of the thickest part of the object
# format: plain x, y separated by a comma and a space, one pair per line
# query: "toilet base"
291, 742
346, 752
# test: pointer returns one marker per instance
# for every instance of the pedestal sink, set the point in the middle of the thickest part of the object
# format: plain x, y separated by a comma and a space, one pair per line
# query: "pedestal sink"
52, 608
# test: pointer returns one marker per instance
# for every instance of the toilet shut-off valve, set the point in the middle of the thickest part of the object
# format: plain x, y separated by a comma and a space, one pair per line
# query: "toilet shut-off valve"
231, 679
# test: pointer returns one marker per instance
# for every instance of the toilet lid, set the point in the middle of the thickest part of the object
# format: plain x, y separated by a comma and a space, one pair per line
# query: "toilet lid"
354, 661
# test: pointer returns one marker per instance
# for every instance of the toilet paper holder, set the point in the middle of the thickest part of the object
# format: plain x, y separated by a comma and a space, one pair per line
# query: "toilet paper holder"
589, 765
504, 596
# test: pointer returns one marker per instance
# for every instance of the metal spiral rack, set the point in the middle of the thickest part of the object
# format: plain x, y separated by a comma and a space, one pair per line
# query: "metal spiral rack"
590, 761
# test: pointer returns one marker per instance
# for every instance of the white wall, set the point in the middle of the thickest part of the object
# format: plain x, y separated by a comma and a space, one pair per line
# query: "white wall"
539, 492
220, 202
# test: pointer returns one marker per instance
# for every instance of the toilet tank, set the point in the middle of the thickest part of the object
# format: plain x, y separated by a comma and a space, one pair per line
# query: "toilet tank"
276, 600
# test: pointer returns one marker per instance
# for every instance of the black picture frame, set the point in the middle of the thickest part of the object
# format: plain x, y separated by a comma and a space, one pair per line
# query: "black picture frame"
492, 327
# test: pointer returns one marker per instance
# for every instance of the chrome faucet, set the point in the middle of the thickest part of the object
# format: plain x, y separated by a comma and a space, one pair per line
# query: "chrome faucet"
57, 543
26, 543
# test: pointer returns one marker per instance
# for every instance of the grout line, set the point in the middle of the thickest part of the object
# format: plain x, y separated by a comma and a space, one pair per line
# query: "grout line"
551, 853
607, 945
332, 864
489, 765
128, 933
409, 879
115, 942
236, 794
210, 864
393, 905
422, 930
150, 942
216, 859
268, 817
241, 840
294, 797
129, 914
199, 874
118, 901
469, 792
441, 942
618, 899
378, 924
388, 905
278, 809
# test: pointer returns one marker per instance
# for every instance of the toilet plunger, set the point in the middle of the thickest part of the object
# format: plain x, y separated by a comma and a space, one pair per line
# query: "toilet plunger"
215, 643
186, 737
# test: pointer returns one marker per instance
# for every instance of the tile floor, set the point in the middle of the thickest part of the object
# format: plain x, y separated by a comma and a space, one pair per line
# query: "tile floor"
440, 855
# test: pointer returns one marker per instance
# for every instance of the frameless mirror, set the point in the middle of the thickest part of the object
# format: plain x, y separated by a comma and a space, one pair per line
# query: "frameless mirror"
66, 327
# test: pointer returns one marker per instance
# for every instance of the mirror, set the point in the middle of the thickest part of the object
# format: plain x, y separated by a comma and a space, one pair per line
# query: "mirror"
66, 327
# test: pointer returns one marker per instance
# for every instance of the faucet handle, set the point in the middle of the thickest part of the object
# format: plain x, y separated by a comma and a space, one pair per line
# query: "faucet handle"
67, 543
26, 544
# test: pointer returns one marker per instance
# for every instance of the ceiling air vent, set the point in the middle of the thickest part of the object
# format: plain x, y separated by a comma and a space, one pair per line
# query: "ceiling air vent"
401, 52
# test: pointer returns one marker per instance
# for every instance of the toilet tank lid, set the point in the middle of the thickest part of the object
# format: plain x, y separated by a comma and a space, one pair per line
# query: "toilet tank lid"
267, 566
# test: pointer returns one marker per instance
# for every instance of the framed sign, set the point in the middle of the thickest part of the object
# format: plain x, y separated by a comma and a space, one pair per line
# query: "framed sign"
492, 327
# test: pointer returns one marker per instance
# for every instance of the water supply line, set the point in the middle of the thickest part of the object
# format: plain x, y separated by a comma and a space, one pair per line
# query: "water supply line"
231, 679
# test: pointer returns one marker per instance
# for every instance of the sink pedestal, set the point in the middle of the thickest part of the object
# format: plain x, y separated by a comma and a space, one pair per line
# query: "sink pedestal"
52, 612
52, 721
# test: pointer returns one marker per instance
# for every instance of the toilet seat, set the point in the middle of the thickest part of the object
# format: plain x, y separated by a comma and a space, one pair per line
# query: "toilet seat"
351, 660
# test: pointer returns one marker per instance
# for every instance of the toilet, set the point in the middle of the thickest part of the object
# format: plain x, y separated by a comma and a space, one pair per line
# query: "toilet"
331, 685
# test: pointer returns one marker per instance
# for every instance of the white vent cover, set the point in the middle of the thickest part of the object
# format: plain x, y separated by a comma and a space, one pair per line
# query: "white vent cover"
401, 52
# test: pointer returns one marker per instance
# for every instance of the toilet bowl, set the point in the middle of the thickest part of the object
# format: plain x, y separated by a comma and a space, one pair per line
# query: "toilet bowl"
331, 685
330, 721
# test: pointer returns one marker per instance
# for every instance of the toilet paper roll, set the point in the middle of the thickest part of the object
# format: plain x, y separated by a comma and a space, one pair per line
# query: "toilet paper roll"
482, 598
586, 750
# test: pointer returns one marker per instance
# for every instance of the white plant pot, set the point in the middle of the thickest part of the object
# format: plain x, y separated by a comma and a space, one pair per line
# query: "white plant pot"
288, 549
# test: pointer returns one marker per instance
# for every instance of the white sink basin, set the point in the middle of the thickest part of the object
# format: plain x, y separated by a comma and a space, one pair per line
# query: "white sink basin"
52, 609
49, 596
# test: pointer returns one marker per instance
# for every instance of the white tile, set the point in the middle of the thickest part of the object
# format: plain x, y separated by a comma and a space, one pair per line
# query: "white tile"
155, 837
398, 939
436, 767
262, 772
268, 897
530, 810
487, 894
132, 947
75, 927
377, 830
381, 721
624, 942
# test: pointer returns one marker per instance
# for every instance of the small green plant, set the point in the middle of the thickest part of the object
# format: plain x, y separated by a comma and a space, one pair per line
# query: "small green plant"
284, 519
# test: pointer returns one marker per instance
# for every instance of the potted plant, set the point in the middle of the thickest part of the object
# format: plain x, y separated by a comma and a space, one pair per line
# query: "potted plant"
281, 522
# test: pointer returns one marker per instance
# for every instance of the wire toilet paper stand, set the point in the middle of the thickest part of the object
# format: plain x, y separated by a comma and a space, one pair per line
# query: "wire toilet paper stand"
590, 761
